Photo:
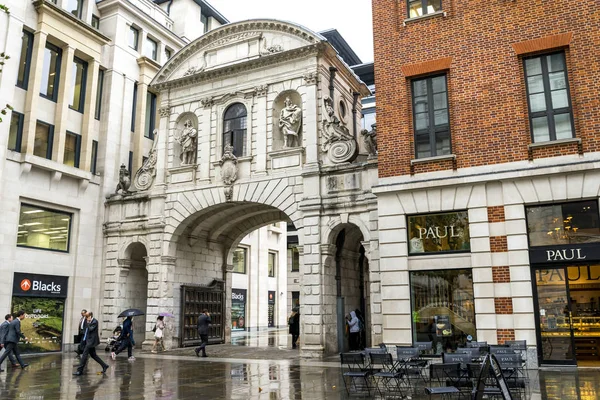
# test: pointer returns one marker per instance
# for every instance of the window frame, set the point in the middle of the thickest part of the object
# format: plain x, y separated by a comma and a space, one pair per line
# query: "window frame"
424, 4
71, 216
151, 100
95, 22
79, 9
133, 29
81, 106
134, 106
245, 250
77, 157
94, 162
154, 51
58, 51
50, 138
19, 139
234, 134
24, 84
204, 21
130, 163
431, 131
271, 271
168, 54
100, 89
549, 113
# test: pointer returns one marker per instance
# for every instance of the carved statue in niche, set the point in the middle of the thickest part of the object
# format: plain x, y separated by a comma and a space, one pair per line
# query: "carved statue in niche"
290, 123
144, 177
124, 180
189, 143
228, 171
338, 142
370, 140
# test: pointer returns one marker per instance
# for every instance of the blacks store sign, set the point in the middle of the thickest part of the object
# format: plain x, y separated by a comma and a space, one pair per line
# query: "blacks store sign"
37, 285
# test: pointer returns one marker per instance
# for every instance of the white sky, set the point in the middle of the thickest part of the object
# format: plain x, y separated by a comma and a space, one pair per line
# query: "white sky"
352, 18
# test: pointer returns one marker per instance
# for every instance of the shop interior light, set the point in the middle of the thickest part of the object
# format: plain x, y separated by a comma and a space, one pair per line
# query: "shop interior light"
32, 211
39, 230
32, 223
57, 237
66, 219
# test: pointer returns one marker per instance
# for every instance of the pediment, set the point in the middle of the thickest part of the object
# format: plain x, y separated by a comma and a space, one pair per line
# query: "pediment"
234, 44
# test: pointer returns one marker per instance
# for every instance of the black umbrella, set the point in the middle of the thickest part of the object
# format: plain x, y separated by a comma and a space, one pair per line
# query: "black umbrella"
132, 312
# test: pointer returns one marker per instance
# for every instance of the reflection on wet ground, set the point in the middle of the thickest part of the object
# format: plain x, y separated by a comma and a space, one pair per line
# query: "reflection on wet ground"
259, 366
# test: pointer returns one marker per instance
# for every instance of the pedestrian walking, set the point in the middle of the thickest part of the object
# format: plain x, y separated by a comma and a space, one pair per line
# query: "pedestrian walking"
11, 339
90, 340
159, 329
354, 331
81, 328
125, 339
3, 331
362, 339
203, 323
294, 324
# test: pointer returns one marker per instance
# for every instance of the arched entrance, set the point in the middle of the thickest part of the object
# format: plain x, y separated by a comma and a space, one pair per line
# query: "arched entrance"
133, 286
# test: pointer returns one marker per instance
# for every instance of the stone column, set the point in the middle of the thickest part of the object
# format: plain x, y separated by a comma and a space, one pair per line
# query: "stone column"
260, 108
140, 126
310, 118
204, 131
374, 288
85, 160
161, 275
62, 105
32, 97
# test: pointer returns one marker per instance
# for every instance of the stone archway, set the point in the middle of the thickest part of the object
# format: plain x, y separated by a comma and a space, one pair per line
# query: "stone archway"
133, 286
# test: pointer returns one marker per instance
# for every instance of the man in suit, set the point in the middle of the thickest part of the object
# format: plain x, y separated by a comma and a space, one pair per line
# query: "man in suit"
91, 340
125, 338
12, 339
81, 327
3, 331
203, 323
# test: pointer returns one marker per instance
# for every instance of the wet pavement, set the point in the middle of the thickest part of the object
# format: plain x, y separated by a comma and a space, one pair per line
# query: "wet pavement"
256, 366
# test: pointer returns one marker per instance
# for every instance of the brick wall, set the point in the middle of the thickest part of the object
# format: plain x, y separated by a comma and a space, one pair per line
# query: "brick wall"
503, 305
486, 88
496, 214
504, 335
498, 244
501, 274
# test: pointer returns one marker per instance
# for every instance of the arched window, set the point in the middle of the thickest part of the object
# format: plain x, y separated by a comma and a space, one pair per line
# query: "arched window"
234, 128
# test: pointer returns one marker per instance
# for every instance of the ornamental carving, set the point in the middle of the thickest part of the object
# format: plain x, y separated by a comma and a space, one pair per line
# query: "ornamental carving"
191, 71
165, 112
144, 177
261, 90
370, 140
207, 102
229, 170
188, 139
311, 78
338, 142
124, 181
290, 123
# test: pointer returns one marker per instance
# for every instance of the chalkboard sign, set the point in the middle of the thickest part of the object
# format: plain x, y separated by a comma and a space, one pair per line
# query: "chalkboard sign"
491, 363
443, 326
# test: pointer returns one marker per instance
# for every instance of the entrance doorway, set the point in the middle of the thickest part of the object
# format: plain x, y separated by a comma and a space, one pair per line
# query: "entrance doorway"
568, 319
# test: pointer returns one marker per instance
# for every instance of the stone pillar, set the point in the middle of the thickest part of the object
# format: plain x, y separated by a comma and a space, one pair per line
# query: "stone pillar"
260, 108
161, 277
374, 289
204, 131
32, 97
140, 126
310, 118
62, 105
85, 160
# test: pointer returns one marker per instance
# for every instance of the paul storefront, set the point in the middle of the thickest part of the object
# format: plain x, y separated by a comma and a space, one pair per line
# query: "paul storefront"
564, 252
42, 297
442, 300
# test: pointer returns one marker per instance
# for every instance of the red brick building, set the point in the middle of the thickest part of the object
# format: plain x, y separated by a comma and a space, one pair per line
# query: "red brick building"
489, 147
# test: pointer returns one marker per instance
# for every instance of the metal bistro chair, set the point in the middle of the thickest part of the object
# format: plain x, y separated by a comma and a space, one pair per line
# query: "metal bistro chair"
367, 352
514, 374
387, 378
441, 380
409, 363
424, 347
472, 351
495, 350
462, 382
353, 370
519, 346
490, 390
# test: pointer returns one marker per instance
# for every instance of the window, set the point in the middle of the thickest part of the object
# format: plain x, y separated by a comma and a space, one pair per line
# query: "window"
443, 309
44, 137
43, 228
430, 116
15, 134
94, 162
417, 8
50, 72
294, 257
150, 115
134, 36
75, 7
168, 54
432, 233
563, 224
96, 21
368, 119
72, 149
550, 115
272, 264
78, 81
133, 106
98, 108
234, 130
151, 49
25, 60
130, 163
239, 260
204, 21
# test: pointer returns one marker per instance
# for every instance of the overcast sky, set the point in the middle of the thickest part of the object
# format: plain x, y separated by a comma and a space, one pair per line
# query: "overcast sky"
352, 18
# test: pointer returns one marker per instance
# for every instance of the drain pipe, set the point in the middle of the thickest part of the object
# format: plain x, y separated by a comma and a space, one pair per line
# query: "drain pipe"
354, 102
332, 71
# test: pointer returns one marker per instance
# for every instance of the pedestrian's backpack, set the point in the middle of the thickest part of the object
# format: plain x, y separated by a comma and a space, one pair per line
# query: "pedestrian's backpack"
154, 329
291, 320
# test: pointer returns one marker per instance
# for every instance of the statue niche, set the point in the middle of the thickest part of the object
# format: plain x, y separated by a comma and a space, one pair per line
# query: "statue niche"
288, 118
188, 139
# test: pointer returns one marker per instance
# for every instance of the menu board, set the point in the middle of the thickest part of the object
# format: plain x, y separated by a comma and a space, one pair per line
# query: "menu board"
443, 327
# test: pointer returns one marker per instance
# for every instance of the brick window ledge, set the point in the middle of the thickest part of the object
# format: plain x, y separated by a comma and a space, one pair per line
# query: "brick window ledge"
446, 157
554, 143
426, 16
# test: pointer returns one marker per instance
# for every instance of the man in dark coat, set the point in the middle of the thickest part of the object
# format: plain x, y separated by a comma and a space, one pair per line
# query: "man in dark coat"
81, 328
12, 339
294, 323
203, 323
90, 340
3, 331
125, 338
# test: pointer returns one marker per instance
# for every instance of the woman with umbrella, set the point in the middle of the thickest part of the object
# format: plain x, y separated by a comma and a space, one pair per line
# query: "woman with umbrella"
159, 329
126, 334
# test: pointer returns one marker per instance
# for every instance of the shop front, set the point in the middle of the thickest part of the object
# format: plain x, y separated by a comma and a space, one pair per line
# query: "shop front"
238, 309
564, 252
42, 297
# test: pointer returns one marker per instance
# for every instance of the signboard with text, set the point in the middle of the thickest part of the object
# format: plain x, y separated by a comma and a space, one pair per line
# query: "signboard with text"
37, 285
434, 233
584, 252
238, 309
271, 309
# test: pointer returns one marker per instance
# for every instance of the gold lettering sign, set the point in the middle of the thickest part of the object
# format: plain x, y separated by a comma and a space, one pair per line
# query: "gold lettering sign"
433, 233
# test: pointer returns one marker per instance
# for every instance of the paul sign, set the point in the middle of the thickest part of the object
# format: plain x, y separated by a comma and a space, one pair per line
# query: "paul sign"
432, 233
37, 285
582, 252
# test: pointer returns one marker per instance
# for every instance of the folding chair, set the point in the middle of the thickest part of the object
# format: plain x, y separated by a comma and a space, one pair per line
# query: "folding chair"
514, 374
424, 347
477, 344
367, 351
387, 378
501, 350
441, 379
490, 390
353, 370
462, 358
472, 351
519, 346
409, 362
